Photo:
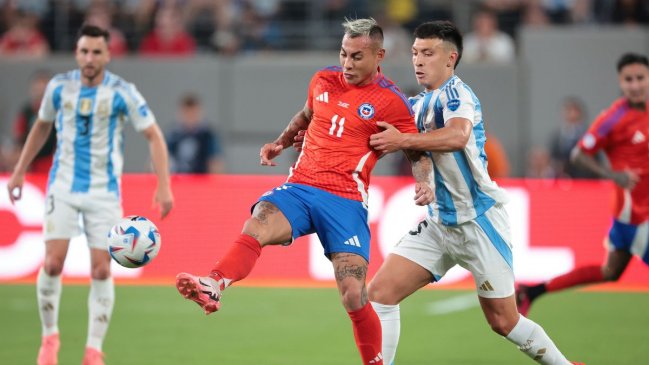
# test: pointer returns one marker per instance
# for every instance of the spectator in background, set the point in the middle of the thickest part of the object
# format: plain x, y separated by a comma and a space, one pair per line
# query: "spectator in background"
100, 15
630, 12
565, 138
193, 147
25, 120
168, 37
539, 164
487, 43
256, 31
23, 39
534, 15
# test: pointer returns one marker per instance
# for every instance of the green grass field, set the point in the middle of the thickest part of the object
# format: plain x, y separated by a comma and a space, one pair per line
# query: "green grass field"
154, 325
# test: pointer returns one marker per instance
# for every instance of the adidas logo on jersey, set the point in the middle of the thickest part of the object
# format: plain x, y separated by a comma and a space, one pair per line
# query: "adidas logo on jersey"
324, 97
486, 286
638, 137
353, 242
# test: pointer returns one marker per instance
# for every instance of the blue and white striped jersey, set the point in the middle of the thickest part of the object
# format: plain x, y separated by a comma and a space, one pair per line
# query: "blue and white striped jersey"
89, 124
463, 188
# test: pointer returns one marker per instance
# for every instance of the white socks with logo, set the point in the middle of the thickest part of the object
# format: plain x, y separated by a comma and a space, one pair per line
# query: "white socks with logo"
48, 294
391, 328
535, 343
100, 308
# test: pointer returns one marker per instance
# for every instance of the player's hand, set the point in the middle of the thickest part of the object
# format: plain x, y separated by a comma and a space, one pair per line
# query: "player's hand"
15, 187
424, 194
268, 152
387, 141
626, 179
164, 200
298, 140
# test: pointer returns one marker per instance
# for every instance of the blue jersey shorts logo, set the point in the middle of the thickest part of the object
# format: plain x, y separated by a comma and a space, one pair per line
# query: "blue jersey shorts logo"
366, 111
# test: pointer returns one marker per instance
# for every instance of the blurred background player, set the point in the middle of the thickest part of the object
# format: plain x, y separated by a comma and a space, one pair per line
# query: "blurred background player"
193, 147
326, 191
573, 126
25, 120
88, 106
467, 225
622, 133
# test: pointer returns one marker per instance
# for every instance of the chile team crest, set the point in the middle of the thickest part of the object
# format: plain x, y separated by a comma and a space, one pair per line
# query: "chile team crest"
366, 111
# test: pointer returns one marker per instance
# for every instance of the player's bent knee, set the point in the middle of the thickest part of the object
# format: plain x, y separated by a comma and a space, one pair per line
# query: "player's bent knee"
53, 266
352, 300
266, 234
380, 293
101, 272
501, 325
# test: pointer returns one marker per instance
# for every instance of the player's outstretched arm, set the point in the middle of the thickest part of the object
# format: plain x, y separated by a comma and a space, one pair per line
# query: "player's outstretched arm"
422, 171
625, 179
35, 141
300, 121
160, 158
453, 137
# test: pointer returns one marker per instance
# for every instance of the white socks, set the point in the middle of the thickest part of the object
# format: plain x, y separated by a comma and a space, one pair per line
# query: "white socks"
535, 343
100, 308
391, 327
48, 294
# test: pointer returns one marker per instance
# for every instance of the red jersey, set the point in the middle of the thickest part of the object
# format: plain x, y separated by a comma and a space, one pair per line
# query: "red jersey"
622, 133
336, 155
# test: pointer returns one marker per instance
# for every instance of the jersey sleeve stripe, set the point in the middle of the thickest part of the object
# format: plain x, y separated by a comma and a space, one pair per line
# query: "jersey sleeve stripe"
614, 118
403, 98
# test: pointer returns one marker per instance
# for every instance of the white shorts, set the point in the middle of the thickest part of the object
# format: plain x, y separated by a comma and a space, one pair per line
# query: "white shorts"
482, 246
98, 213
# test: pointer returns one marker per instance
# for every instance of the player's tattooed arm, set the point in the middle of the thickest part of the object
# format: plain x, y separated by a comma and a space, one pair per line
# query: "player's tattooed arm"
422, 168
300, 121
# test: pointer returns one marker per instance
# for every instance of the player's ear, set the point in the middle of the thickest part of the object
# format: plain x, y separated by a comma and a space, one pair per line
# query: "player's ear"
381, 54
452, 59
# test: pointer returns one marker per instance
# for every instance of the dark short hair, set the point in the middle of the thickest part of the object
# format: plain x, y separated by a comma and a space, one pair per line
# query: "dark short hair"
631, 58
94, 31
189, 100
444, 30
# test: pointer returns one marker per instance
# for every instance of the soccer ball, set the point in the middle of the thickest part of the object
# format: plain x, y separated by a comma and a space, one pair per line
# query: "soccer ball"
134, 241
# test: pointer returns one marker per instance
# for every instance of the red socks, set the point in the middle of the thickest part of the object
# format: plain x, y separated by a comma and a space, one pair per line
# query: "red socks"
367, 333
237, 263
579, 276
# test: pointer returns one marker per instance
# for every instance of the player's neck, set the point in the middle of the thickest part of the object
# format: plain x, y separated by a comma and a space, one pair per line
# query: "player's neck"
92, 82
369, 80
442, 81
642, 106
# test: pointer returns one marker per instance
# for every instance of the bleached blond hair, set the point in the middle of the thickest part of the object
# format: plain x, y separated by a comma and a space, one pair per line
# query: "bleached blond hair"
364, 28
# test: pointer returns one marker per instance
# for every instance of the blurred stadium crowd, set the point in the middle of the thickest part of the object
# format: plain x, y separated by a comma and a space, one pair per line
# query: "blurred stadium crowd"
34, 28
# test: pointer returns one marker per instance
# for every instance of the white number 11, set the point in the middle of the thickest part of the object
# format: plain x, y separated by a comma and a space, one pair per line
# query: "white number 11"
341, 126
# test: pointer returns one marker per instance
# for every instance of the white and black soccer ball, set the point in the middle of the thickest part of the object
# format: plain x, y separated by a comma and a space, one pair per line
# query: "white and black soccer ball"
134, 241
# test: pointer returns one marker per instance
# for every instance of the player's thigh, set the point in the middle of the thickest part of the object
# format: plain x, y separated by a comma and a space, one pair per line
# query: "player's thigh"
485, 250
61, 218
268, 225
424, 245
281, 215
397, 278
100, 213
